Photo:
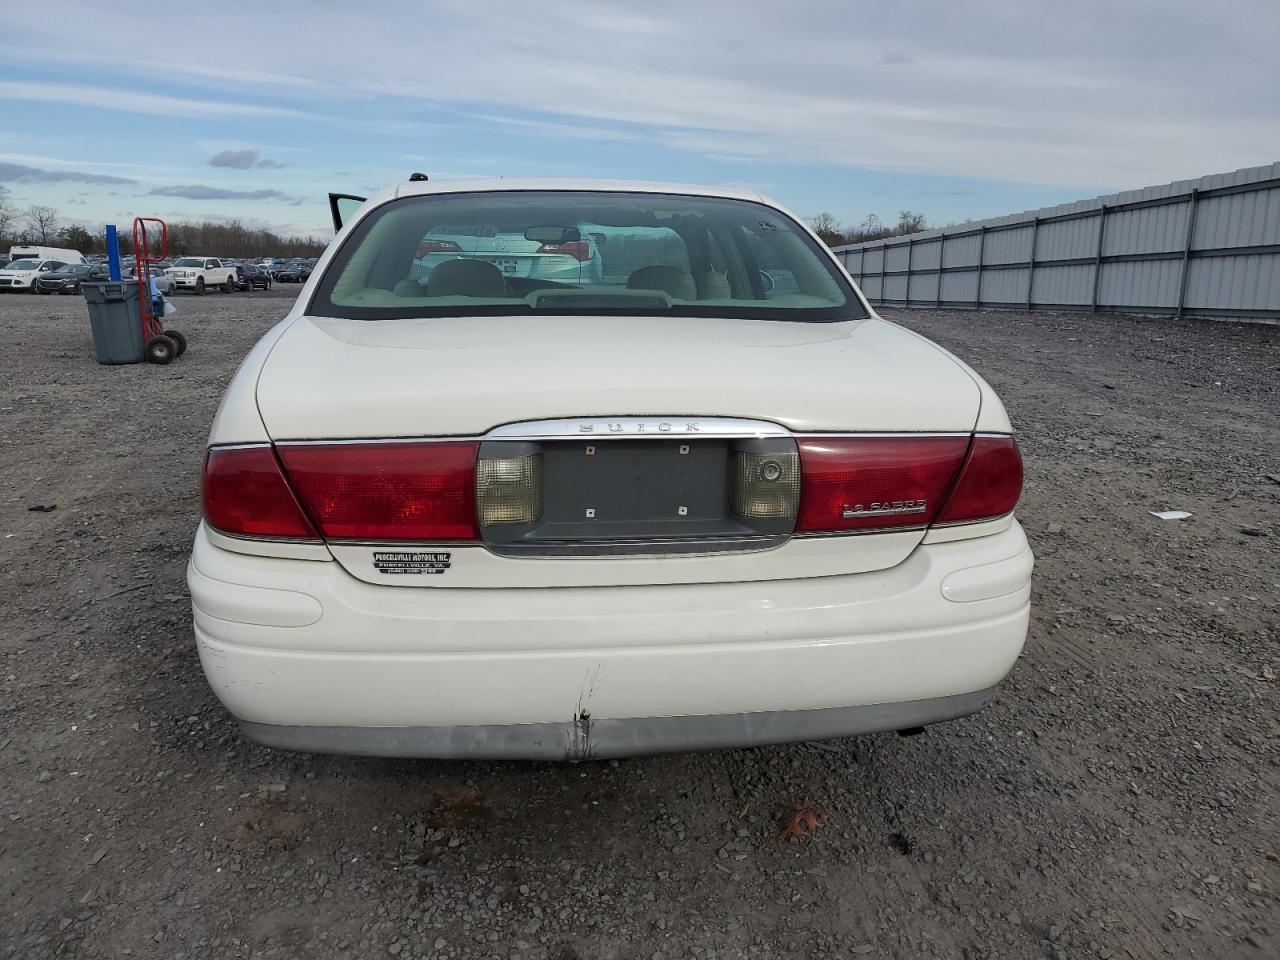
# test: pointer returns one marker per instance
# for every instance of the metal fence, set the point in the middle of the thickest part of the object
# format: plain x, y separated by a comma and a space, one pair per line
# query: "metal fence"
1207, 247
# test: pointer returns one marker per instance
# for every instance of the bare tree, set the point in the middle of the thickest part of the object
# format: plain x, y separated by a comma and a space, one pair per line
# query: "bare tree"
827, 228
909, 222
43, 222
8, 210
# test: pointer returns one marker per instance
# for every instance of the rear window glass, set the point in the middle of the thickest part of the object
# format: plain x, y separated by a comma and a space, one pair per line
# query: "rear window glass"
580, 252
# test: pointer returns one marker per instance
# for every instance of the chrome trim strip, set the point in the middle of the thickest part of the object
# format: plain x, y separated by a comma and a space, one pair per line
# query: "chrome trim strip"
617, 428
246, 538
952, 524
876, 435
725, 427
862, 531
632, 549
346, 441
411, 544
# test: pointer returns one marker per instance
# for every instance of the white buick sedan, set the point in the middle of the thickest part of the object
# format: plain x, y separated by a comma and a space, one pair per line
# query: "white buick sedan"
696, 495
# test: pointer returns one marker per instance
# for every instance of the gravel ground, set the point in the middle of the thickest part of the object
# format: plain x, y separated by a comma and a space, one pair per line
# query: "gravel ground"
1119, 799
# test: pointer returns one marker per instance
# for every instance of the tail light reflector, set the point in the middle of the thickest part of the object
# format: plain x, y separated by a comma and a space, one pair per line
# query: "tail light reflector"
989, 484
436, 246
865, 483
386, 491
578, 249
245, 494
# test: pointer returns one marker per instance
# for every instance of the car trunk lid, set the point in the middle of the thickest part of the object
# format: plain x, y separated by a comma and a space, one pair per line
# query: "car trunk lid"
336, 378
657, 504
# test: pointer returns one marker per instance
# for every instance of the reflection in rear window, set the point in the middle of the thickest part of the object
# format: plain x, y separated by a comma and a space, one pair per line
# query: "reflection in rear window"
567, 252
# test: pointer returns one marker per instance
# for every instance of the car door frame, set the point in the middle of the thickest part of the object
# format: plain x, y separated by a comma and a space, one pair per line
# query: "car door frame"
335, 213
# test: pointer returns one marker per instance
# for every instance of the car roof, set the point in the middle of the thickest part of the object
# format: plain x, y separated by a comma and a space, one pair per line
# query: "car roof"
489, 184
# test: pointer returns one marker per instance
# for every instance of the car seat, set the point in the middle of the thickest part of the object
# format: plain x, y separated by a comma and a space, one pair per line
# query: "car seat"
675, 282
467, 278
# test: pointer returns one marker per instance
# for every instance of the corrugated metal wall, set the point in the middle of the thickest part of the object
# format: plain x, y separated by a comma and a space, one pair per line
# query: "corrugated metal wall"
1207, 247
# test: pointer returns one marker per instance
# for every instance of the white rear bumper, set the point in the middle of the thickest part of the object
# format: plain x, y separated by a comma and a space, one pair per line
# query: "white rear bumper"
307, 656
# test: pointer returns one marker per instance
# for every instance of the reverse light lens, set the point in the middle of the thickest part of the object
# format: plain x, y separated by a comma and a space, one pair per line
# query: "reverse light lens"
245, 494
989, 485
386, 491
509, 489
869, 483
766, 486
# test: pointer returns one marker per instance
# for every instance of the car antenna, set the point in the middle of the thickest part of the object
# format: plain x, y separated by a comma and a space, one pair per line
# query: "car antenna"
417, 177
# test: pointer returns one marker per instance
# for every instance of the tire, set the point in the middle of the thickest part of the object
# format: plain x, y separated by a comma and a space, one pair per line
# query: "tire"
229, 286
161, 350
199, 286
178, 339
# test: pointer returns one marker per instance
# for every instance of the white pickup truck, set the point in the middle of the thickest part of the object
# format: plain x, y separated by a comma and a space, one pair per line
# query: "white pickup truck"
201, 273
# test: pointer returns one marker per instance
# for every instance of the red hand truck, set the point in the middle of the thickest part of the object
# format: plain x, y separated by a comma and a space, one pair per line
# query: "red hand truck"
162, 346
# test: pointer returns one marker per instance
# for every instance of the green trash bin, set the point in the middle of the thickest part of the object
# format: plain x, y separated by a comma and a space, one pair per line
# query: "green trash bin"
115, 316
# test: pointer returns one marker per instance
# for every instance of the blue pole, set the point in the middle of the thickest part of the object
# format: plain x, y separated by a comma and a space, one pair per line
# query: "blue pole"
113, 252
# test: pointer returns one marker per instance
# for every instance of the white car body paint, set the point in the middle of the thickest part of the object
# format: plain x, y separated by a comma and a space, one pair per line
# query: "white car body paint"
312, 647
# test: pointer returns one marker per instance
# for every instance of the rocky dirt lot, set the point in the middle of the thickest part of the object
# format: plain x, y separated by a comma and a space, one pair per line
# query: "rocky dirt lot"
1119, 799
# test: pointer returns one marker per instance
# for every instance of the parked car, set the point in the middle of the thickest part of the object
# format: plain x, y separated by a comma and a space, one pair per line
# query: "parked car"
566, 252
67, 279
249, 276
159, 276
501, 514
4, 260
290, 271
19, 276
198, 274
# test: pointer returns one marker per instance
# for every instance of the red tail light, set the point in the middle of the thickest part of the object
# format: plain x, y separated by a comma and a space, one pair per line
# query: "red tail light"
245, 494
578, 249
436, 246
874, 483
386, 491
866, 483
990, 483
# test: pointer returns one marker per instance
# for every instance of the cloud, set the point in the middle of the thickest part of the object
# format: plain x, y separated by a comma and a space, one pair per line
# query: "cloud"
1110, 96
21, 173
199, 192
130, 101
243, 160
236, 159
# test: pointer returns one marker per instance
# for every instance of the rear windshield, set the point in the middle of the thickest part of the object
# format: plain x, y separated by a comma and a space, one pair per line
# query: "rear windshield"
578, 252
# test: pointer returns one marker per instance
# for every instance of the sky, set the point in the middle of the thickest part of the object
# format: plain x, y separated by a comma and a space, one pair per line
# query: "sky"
957, 110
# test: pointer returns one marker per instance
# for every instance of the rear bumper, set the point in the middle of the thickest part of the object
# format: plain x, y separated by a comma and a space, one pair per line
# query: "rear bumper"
307, 657
591, 739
